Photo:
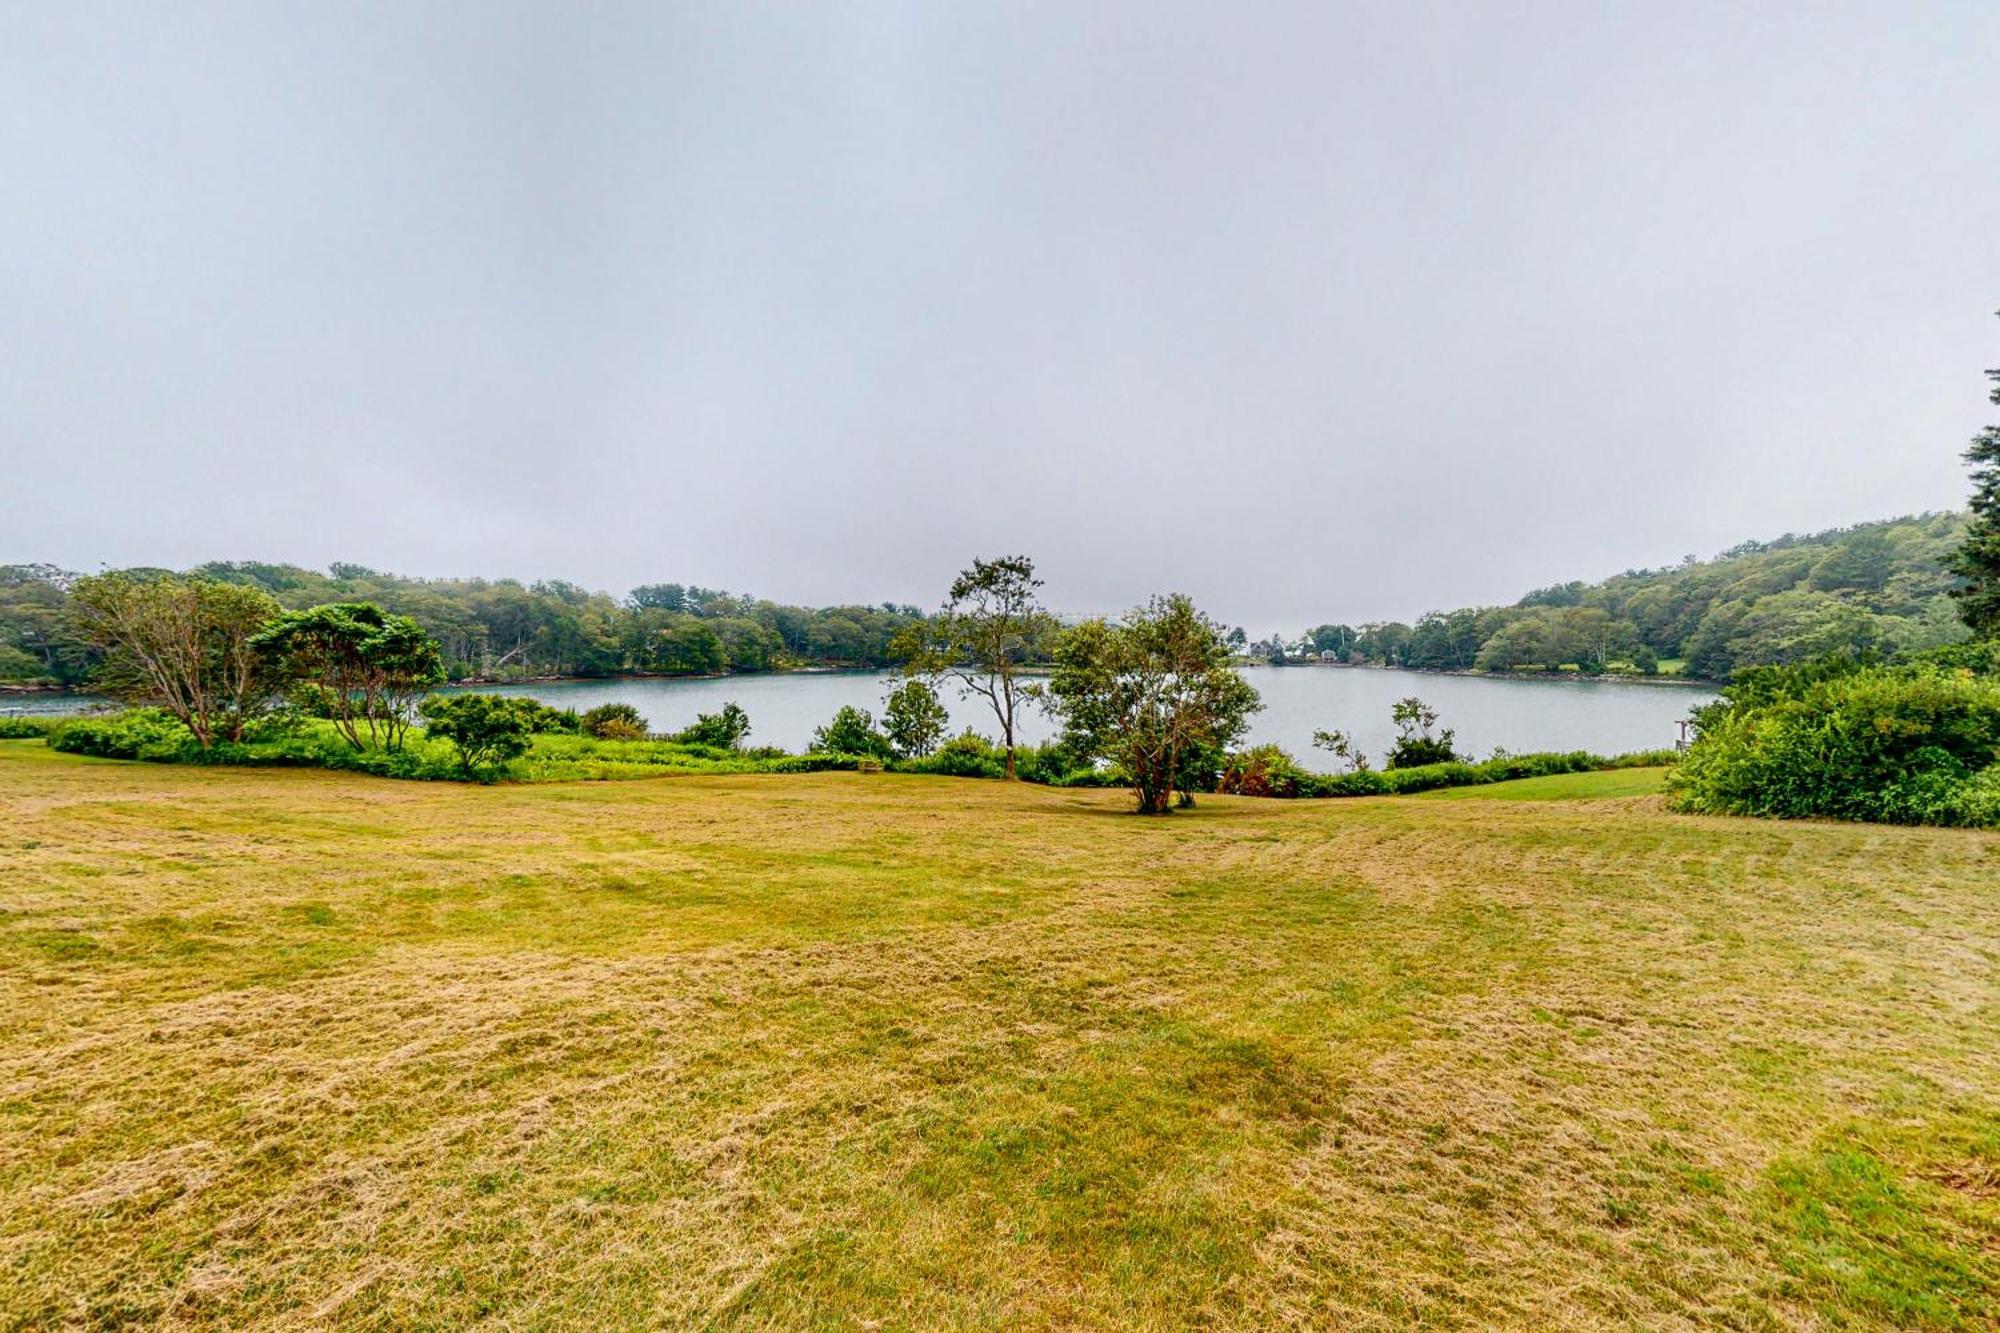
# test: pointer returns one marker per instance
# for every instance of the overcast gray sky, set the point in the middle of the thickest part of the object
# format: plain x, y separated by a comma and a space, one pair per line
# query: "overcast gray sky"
1314, 311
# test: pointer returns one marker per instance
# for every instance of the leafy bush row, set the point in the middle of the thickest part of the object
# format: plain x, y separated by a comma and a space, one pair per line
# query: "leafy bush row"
1916, 743
1268, 771
26, 728
289, 740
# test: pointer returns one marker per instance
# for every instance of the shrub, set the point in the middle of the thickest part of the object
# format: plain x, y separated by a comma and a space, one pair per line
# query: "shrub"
1269, 771
26, 728
1893, 744
1415, 746
852, 731
968, 755
487, 730
544, 720
915, 718
617, 721
724, 730
136, 733
1049, 764
1263, 770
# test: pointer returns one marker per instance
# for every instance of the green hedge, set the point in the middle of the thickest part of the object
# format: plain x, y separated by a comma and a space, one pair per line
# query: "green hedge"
1269, 771
293, 741
1910, 744
26, 728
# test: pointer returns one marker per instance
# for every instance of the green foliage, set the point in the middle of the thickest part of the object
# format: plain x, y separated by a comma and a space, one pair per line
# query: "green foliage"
1877, 585
546, 720
992, 624
1263, 770
1912, 744
187, 644
136, 733
723, 731
487, 730
1267, 770
1415, 746
1548, 637
26, 728
1977, 559
852, 731
370, 667
491, 629
967, 755
914, 718
613, 722
584, 758
40, 642
1345, 751
1154, 693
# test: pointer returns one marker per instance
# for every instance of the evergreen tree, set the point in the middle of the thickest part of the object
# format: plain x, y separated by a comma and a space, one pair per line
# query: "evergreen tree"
1978, 560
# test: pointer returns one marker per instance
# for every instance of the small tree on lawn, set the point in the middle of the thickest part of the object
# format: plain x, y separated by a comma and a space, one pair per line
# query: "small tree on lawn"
487, 730
188, 644
1155, 693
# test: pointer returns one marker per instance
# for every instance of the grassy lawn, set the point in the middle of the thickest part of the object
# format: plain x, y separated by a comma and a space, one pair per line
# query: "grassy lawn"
302, 1050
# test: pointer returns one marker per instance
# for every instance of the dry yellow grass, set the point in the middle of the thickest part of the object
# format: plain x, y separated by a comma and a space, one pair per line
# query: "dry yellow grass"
304, 1050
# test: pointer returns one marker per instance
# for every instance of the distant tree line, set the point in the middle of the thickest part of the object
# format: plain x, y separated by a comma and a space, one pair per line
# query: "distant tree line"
1875, 588
491, 629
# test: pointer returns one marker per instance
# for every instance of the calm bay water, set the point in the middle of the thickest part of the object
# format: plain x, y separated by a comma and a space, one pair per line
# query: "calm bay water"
1521, 715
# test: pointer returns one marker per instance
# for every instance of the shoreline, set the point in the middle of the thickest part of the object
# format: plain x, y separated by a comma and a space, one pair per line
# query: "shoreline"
1469, 673
473, 682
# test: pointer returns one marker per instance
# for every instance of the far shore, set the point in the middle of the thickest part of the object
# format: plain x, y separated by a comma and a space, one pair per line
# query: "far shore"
1612, 678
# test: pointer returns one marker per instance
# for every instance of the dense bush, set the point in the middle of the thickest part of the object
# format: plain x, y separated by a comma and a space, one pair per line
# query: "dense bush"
617, 721
26, 728
136, 733
1913, 744
1415, 746
724, 730
968, 755
543, 720
1268, 771
487, 730
1263, 770
852, 730
914, 718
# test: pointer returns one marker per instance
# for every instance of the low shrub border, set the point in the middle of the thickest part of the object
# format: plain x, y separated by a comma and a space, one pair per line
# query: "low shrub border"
288, 741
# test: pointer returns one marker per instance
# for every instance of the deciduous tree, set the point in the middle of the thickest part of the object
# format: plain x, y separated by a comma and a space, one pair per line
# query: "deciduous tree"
992, 625
1152, 692
914, 718
188, 644
373, 666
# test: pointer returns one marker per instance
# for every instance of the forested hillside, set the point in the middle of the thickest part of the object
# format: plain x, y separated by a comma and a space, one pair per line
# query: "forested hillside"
1873, 587
499, 629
